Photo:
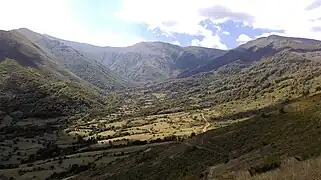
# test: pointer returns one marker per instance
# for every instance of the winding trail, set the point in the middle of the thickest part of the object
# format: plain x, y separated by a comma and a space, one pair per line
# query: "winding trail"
201, 142
207, 124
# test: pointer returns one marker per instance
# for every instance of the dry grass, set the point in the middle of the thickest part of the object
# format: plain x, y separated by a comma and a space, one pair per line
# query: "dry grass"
290, 169
134, 137
159, 95
107, 133
149, 127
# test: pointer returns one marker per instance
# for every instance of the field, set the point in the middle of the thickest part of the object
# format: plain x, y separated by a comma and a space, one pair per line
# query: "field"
90, 142
42, 169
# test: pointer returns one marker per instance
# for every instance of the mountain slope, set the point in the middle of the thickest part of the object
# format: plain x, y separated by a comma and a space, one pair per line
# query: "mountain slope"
34, 85
147, 61
87, 69
283, 76
259, 48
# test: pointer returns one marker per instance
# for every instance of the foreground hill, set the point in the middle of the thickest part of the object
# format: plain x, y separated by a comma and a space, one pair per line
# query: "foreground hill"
148, 61
254, 146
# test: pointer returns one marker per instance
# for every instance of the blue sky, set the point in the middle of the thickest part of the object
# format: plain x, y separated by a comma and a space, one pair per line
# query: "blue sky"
222, 24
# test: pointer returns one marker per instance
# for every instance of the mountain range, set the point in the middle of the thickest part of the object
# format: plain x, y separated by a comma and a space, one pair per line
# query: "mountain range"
157, 61
147, 61
41, 63
211, 76
62, 101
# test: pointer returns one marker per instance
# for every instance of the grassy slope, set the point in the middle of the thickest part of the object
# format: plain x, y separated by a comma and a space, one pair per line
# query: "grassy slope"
290, 169
30, 91
283, 76
37, 84
257, 49
294, 130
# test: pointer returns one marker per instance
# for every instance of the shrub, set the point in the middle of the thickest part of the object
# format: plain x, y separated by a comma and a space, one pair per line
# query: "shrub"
270, 163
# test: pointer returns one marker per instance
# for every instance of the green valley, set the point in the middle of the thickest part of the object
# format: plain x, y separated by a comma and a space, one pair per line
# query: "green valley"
77, 111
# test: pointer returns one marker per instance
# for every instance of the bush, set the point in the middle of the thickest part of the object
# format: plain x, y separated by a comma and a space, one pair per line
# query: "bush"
270, 163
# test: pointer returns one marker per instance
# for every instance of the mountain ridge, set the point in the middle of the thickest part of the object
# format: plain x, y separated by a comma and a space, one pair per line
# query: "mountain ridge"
255, 50
147, 61
87, 69
34, 84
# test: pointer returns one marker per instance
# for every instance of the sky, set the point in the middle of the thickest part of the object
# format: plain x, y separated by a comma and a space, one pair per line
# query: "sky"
222, 24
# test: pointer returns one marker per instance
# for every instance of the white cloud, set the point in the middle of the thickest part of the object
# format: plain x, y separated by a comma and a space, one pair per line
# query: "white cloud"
176, 43
107, 38
313, 5
158, 14
49, 16
210, 41
269, 34
56, 18
243, 38
294, 18
226, 33
195, 42
299, 19
290, 17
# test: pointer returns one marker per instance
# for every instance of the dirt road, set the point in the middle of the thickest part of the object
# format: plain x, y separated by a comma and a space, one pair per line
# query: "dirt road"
207, 124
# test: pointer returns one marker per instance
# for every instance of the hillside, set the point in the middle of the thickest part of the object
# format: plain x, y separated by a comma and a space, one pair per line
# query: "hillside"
256, 145
283, 76
34, 85
39, 99
90, 70
257, 49
147, 61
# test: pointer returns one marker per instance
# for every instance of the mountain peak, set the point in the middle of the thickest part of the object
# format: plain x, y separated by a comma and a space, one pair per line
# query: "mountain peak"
274, 36
279, 42
23, 30
153, 44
